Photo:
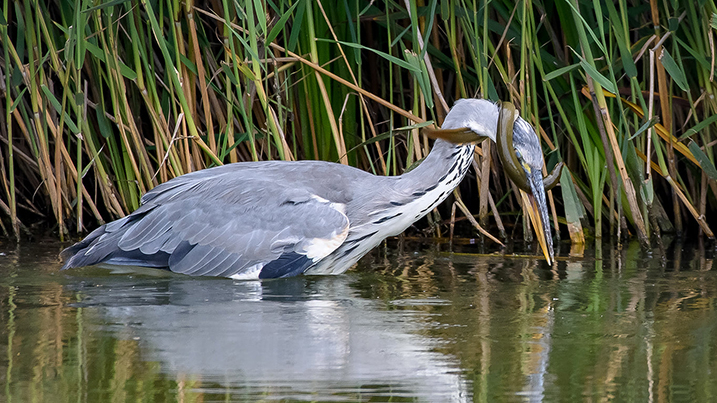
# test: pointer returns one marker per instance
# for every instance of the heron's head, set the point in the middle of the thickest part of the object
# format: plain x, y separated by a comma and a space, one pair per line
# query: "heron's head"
474, 120
529, 172
526, 147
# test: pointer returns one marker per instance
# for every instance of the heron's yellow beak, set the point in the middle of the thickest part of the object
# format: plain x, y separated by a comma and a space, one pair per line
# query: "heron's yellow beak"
461, 135
533, 209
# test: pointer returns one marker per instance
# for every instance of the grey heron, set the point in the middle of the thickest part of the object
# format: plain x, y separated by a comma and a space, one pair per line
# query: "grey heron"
256, 220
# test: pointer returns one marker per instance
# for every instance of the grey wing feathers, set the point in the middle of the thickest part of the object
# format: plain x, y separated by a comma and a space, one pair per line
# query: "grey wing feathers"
219, 225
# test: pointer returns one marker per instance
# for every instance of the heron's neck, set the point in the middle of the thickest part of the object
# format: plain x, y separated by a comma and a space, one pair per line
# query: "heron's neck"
445, 157
441, 171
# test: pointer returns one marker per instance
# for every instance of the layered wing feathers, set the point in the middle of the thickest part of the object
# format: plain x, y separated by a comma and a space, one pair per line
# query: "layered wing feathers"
221, 223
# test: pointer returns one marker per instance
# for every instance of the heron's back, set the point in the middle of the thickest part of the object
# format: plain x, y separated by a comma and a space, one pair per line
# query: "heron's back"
234, 219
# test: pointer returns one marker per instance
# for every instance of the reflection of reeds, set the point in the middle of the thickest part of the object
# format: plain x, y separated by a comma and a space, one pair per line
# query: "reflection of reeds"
103, 102
621, 327
51, 356
613, 322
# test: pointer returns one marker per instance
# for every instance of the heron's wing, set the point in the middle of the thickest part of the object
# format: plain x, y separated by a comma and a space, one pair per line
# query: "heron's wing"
224, 226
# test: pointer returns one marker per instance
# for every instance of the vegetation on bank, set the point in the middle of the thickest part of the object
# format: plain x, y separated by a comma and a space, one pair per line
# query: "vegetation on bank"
105, 100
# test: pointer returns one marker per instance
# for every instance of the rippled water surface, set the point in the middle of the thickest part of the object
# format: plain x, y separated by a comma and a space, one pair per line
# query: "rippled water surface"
419, 324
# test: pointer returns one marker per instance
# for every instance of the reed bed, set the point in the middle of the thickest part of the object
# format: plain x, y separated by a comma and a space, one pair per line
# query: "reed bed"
105, 100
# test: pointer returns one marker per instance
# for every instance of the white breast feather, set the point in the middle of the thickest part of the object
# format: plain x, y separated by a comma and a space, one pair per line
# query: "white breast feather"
318, 248
250, 273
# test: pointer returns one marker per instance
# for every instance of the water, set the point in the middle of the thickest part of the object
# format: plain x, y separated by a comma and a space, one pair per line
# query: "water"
416, 325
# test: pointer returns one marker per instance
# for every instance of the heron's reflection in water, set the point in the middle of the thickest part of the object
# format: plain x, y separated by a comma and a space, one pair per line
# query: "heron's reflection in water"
290, 336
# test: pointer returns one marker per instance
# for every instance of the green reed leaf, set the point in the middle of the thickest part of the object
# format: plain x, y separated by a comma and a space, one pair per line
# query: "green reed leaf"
601, 79
674, 70
58, 107
706, 164
559, 72
393, 59
281, 24
699, 126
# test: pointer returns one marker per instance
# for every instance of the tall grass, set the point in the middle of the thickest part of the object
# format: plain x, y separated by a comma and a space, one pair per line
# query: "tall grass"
105, 100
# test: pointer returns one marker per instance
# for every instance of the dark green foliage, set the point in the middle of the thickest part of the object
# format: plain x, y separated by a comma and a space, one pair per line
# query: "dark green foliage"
105, 101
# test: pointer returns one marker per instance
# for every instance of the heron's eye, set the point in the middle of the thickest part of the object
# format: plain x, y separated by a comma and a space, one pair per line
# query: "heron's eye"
517, 154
